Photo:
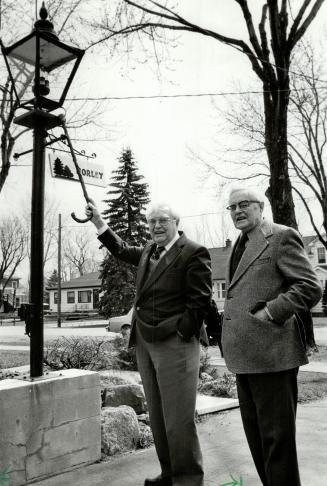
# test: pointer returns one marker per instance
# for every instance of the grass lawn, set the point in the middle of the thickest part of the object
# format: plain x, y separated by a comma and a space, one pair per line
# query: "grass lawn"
10, 359
321, 355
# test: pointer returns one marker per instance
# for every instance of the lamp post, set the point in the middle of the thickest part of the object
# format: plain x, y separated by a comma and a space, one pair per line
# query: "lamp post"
31, 63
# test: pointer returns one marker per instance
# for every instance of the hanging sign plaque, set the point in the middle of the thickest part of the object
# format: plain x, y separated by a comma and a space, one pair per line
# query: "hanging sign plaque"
62, 166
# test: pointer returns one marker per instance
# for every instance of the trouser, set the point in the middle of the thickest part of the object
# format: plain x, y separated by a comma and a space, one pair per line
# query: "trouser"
268, 404
169, 371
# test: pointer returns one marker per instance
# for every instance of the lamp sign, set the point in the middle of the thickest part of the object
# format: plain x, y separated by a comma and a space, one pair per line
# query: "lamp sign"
63, 166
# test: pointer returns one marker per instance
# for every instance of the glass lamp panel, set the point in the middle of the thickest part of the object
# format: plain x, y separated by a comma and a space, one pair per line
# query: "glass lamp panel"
51, 55
23, 74
52, 84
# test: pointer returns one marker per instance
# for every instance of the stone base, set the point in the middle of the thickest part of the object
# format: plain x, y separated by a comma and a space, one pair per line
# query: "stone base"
49, 426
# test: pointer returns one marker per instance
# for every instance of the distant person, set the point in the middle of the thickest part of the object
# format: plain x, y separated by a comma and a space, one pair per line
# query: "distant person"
213, 323
269, 280
173, 290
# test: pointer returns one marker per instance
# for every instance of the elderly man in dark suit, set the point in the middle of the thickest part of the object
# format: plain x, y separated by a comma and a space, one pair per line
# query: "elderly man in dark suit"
173, 290
269, 279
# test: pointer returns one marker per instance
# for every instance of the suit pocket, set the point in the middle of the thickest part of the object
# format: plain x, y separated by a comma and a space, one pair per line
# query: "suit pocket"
261, 261
256, 319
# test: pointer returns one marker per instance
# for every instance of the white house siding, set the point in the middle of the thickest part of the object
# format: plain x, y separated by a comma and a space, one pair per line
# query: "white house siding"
74, 306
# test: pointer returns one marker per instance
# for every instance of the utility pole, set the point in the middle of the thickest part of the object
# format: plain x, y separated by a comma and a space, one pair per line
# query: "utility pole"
59, 274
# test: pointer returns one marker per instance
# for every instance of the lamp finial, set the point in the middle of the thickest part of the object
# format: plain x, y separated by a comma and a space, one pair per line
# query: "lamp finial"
43, 24
43, 12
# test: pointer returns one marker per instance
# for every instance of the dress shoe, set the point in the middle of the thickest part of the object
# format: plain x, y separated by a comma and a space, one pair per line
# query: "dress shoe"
159, 481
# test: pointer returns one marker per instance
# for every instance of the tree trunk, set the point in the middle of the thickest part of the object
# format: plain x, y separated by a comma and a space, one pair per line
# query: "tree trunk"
279, 191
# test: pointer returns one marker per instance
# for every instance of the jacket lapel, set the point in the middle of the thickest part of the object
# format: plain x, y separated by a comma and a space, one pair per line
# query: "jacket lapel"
143, 265
164, 263
255, 246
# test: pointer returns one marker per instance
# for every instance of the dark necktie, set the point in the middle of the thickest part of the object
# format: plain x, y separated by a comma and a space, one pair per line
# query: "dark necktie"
237, 255
156, 254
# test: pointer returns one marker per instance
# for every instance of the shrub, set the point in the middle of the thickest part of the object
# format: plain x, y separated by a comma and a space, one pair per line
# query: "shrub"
90, 353
225, 386
124, 357
204, 361
78, 352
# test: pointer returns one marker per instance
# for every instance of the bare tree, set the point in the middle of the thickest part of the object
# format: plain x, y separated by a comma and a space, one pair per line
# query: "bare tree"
80, 253
269, 52
308, 143
13, 240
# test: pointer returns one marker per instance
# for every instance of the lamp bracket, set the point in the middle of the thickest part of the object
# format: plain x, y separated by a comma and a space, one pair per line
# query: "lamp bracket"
57, 139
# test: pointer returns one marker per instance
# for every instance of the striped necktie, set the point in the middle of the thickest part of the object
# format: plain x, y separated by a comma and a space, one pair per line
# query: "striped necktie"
157, 253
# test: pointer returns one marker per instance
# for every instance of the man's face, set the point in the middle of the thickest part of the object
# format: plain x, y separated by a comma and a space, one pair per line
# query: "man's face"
245, 218
162, 227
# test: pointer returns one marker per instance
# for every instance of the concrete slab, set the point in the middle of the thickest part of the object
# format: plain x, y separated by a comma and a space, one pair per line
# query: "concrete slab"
206, 404
225, 452
315, 366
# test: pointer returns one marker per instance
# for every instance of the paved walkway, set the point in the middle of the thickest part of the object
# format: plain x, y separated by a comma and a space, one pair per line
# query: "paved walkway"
225, 452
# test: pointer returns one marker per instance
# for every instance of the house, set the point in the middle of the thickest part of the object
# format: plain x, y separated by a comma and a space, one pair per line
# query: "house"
219, 259
78, 294
14, 294
317, 254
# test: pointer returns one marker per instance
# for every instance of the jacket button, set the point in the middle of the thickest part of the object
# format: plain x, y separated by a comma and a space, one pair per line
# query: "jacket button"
137, 308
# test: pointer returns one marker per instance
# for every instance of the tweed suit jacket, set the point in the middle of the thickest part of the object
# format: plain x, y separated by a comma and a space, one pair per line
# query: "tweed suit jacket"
176, 293
274, 271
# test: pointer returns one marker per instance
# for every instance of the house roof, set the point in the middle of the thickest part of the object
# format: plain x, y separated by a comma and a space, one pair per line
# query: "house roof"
219, 258
87, 280
307, 240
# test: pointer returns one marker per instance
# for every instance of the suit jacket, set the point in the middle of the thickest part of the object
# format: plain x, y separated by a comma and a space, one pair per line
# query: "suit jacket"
274, 271
175, 294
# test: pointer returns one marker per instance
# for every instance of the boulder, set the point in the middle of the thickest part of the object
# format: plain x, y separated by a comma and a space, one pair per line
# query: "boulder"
131, 395
145, 437
119, 430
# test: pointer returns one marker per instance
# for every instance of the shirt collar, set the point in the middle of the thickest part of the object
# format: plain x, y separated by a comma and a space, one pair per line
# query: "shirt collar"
170, 244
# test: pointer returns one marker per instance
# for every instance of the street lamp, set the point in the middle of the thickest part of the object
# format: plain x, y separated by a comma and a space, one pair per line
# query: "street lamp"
39, 65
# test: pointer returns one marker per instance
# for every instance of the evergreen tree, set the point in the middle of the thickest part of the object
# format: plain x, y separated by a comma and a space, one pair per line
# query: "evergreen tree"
128, 198
67, 172
53, 279
58, 167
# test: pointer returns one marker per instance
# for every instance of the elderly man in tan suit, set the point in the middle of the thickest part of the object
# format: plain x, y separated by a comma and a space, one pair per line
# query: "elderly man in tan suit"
269, 279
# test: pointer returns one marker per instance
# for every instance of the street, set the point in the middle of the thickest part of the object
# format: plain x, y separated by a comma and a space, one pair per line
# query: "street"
10, 333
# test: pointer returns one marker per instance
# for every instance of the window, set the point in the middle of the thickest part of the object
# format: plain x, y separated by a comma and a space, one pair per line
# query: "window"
221, 290
321, 255
84, 296
70, 297
14, 284
55, 297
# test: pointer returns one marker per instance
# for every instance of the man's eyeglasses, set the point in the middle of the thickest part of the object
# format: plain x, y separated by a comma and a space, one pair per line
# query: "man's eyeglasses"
241, 205
161, 221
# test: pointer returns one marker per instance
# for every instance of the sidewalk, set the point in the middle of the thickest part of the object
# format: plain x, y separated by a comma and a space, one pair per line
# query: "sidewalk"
225, 452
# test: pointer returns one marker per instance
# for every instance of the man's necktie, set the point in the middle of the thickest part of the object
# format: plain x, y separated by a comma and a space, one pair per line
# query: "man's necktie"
237, 255
158, 251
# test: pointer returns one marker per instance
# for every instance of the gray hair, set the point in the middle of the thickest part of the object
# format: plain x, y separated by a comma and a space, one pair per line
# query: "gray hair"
252, 193
164, 207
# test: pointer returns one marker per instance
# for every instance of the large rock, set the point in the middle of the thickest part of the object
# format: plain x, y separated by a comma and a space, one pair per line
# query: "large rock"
119, 430
146, 437
131, 395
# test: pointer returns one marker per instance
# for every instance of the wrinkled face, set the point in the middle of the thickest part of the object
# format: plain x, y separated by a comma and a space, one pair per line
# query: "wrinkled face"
245, 218
162, 226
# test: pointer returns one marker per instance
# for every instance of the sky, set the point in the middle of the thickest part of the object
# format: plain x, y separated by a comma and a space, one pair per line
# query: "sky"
161, 132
